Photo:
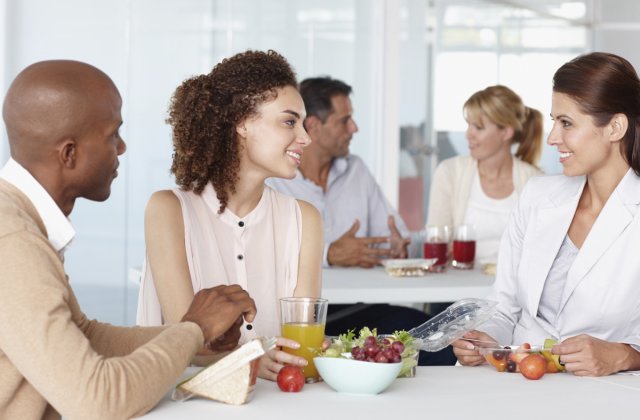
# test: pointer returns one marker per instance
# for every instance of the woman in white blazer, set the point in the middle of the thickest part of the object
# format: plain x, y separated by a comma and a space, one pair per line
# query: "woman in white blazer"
569, 263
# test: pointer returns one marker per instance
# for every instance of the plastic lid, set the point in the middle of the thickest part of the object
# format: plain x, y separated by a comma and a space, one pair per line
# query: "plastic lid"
454, 322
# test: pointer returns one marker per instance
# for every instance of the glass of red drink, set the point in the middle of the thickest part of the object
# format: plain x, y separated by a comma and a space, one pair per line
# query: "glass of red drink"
464, 247
436, 244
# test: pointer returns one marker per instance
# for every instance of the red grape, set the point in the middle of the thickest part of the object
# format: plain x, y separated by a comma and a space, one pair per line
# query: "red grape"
378, 350
370, 341
397, 346
381, 359
371, 351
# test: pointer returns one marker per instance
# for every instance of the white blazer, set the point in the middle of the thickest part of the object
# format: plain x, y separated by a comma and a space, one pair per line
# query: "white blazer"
602, 293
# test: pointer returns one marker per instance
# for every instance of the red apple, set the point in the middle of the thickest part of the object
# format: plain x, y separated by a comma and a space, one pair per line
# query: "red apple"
290, 379
533, 366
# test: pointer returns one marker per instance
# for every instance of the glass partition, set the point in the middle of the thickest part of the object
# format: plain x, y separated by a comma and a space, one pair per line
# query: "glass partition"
469, 45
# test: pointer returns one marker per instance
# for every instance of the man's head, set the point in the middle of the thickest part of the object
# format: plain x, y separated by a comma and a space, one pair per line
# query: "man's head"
329, 119
62, 119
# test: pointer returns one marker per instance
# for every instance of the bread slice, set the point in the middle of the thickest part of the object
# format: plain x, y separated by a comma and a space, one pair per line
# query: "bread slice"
229, 380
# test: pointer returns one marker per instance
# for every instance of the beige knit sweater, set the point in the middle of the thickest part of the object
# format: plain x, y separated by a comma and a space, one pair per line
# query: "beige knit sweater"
52, 358
451, 187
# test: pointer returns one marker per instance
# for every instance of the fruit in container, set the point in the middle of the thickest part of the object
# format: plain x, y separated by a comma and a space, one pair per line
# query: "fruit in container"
507, 359
552, 358
551, 367
533, 366
498, 359
517, 356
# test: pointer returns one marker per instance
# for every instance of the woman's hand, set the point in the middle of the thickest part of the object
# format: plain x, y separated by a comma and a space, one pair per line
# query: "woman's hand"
466, 351
275, 359
326, 342
584, 355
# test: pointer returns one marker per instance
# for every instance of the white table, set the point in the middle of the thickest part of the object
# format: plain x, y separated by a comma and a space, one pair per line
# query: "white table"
374, 285
435, 393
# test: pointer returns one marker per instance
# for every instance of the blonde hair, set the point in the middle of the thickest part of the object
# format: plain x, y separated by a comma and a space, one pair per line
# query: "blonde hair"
506, 109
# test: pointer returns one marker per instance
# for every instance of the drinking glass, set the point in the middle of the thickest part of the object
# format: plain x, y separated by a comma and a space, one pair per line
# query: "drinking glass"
303, 320
436, 243
464, 247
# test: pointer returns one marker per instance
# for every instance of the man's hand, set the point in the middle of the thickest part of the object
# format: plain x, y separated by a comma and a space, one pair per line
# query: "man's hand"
398, 243
588, 356
219, 312
349, 251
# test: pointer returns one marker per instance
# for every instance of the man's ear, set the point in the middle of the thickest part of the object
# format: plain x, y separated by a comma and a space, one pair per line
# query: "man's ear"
68, 153
311, 122
618, 127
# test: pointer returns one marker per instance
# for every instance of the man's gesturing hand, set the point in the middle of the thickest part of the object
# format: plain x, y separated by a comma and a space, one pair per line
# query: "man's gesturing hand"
398, 243
219, 312
349, 251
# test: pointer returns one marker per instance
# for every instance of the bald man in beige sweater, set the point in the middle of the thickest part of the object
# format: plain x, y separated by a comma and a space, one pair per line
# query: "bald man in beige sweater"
62, 120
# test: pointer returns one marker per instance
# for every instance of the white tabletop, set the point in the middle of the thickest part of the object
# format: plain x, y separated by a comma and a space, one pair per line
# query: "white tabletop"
374, 285
435, 393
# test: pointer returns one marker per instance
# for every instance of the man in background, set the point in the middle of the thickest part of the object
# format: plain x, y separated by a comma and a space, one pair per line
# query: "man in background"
63, 120
360, 225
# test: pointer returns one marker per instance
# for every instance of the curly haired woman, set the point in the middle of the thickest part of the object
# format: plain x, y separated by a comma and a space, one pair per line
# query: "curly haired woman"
232, 129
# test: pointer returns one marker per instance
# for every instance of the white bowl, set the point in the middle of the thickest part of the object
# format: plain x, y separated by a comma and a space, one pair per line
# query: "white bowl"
355, 376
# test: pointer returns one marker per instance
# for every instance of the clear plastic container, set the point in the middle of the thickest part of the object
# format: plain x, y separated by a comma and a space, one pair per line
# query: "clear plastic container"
506, 359
412, 267
454, 322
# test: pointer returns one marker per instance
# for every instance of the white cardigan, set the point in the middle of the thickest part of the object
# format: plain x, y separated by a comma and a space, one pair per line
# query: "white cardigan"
602, 293
451, 187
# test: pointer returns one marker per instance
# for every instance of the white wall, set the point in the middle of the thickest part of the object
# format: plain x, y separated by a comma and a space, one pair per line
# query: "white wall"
617, 28
95, 32
148, 47
4, 31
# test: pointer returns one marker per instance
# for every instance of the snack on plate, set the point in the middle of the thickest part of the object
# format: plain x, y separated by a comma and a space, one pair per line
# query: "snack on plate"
408, 267
229, 380
489, 269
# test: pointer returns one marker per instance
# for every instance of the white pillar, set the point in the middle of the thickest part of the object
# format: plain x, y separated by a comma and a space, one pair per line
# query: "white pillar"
4, 83
385, 94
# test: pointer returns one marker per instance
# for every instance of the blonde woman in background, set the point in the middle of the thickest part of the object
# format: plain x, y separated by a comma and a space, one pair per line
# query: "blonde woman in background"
482, 189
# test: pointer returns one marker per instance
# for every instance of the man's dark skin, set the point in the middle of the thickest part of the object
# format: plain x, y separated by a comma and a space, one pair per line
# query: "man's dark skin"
62, 119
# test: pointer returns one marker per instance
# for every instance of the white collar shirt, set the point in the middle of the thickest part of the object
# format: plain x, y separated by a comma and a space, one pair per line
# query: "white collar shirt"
60, 232
352, 193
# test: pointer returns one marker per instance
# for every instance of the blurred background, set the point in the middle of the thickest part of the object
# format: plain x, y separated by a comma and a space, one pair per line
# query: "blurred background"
412, 64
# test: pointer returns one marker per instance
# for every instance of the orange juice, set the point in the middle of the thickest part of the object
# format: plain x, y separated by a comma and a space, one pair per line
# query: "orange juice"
310, 337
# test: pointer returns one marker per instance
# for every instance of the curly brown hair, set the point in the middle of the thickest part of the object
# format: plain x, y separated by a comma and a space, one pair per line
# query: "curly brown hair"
205, 111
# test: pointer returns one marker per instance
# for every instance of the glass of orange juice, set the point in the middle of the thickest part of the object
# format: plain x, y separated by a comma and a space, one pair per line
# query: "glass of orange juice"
303, 320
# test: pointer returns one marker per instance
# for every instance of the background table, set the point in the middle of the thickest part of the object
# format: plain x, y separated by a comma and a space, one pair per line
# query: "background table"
452, 392
374, 285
